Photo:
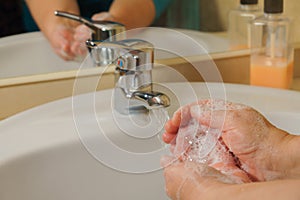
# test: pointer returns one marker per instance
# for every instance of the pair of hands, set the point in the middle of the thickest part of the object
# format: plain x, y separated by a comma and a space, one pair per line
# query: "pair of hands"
68, 40
261, 148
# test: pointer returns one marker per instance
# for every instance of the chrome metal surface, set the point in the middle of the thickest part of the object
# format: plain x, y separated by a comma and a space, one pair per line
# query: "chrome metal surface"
134, 60
101, 30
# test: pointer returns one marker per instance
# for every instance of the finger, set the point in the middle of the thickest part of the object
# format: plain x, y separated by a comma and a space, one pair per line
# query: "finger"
82, 33
103, 16
181, 117
170, 127
184, 114
61, 42
78, 49
210, 118
63, 54
168, 137
213, 112
65, 51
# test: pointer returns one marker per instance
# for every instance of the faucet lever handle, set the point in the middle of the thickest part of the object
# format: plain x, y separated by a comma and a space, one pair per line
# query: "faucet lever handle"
101, 30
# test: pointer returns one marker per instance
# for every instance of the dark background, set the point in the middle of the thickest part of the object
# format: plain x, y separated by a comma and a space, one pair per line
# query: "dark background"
179, 14
10, 17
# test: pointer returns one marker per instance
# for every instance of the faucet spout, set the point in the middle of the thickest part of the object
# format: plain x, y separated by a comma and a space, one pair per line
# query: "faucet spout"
139, 101
152, 99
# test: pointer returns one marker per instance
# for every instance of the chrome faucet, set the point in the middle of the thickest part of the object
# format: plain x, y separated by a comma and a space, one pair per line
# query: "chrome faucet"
134, 60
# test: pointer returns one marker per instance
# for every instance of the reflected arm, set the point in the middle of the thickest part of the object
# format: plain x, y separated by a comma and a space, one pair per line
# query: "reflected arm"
133, 13
43, 13
59, 31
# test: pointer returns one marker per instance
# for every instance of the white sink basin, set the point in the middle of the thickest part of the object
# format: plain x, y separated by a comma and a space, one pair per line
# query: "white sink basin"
75, 149
31, 54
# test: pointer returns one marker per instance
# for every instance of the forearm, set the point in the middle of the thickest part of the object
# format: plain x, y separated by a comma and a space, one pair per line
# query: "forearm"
294, 154
273, 190
133, 13
43, 13
284, 154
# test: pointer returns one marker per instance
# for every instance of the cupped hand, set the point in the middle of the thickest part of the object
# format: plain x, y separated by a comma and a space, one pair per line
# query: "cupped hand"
246, 133
189, 181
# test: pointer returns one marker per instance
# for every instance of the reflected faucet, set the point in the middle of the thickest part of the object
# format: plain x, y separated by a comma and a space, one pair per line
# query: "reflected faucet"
134, 60
101, 31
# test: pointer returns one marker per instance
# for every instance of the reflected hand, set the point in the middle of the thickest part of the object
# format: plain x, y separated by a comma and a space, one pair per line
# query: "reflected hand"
83, 33
61, 40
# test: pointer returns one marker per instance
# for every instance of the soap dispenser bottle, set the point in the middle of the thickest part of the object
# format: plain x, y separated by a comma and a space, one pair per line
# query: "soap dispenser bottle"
272, 53
238, 23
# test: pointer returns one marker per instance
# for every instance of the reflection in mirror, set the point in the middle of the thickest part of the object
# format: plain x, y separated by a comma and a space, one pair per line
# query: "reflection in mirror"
31, 54
200, 19
212, 15
202, 15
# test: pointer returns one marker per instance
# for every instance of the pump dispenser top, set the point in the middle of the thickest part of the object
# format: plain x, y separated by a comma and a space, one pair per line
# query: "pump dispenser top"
273, 6
238, 29
243, 2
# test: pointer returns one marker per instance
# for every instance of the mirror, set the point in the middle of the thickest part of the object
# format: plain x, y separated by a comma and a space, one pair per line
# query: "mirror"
212, 15
199, 19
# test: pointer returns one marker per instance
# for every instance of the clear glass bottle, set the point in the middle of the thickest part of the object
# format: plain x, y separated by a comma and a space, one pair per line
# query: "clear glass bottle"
238, 23
272, 53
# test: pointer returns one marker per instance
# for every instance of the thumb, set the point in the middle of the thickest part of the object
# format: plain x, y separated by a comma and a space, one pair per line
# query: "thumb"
210, 118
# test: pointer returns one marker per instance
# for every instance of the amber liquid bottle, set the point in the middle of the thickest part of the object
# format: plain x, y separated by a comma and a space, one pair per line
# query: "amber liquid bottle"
272, 54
